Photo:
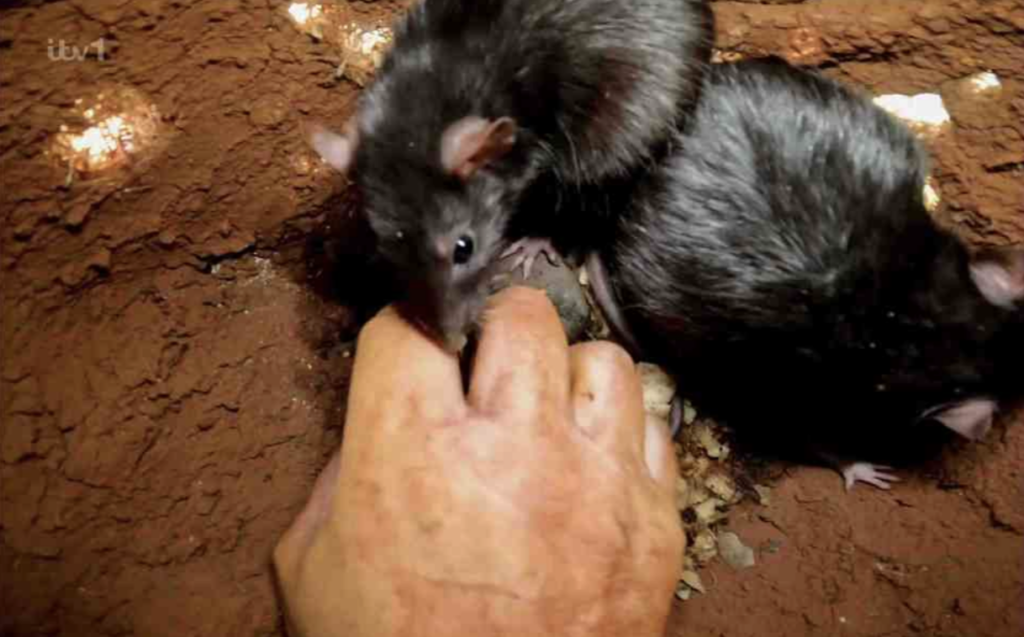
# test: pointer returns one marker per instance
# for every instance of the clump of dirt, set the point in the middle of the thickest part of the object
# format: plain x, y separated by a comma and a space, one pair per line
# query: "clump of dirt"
177, 339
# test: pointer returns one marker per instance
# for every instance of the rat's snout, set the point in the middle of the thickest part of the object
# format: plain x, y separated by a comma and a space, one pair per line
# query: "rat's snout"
446, 312
455, 320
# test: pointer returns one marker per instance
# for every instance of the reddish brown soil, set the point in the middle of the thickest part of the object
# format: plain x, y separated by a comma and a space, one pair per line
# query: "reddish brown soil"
172, 380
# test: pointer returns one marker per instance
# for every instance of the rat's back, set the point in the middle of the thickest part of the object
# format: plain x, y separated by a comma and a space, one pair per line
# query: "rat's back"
781, 261
595, 85
786, 189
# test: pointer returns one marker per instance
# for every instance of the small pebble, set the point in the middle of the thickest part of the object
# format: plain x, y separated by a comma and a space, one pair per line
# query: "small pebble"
734, 552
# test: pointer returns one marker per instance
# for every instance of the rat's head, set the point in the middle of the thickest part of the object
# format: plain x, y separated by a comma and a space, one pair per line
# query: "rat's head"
438, 207
960, 345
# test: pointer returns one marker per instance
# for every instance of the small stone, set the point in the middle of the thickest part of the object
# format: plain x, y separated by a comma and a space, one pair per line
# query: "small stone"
268, 111
77, 215
19, 440
773, 546
938, 26
683, 592
734, 552
167, 238
99, 261
25, 230
764, 494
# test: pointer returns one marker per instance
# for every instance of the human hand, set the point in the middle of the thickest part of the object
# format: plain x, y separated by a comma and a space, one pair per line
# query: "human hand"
539, 504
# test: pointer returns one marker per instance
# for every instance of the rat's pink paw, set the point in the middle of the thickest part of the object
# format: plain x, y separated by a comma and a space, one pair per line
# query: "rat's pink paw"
875, 475
526, 251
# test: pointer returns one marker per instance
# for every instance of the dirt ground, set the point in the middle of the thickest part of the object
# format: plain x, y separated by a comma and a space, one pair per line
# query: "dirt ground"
174, 366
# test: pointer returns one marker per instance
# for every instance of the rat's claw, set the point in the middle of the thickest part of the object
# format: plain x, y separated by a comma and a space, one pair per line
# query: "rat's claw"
526, 251
875, 475
528, 264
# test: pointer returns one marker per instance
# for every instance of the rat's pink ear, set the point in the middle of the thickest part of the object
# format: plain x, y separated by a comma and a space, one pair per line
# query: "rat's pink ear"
474, 142
999, 275
971, 418
337, 150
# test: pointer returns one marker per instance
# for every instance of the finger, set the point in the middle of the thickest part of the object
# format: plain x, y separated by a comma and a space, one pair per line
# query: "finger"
607, 398
521, 370
295, 542
660, 455
400, 374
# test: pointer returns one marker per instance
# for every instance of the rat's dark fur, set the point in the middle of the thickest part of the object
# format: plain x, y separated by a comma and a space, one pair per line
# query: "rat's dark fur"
782, 264
593, 85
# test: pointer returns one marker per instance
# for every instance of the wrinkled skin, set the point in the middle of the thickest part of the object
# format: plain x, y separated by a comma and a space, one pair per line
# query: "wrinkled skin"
539, 504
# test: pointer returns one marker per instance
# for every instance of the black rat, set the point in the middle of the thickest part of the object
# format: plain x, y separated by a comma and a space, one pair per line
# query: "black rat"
782, 264
479, 100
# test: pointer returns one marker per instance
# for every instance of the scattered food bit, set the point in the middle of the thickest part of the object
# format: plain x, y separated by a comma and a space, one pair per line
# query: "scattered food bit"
707, 511
105, 131
363, 41
932, 199
706, 438
682, 493
304, 13
364, 47
925, 113
659, 389
805, 45
982, 82
735, 553
722, 486
689, 413
705, 491
705, 547
698, 494
701, 465
692, 580
719, 56
764, 494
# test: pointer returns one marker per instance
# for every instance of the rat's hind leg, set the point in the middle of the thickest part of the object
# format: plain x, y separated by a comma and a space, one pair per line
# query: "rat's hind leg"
526, 250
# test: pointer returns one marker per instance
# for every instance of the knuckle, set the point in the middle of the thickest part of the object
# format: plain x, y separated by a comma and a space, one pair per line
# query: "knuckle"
609, 356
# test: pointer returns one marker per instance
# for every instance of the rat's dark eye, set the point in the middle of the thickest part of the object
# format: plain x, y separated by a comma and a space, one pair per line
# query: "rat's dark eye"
463, 250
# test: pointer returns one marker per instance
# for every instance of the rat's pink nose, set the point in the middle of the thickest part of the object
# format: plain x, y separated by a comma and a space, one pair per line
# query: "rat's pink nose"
441, 249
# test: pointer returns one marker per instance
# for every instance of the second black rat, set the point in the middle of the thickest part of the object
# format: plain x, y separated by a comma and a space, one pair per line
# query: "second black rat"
782, 264
478, 99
